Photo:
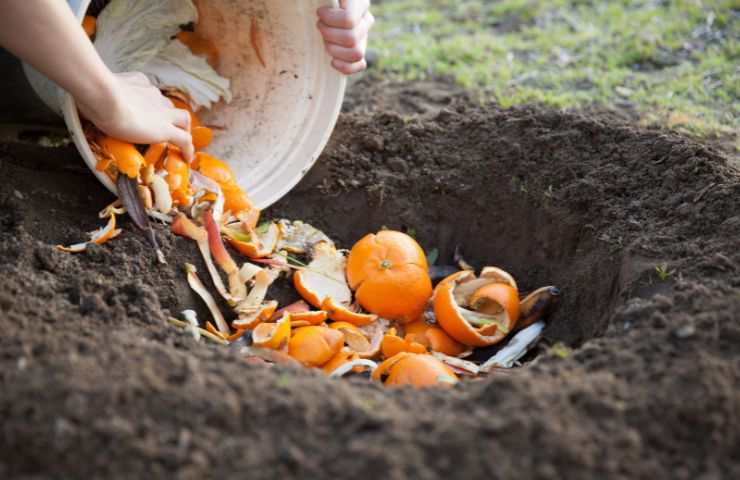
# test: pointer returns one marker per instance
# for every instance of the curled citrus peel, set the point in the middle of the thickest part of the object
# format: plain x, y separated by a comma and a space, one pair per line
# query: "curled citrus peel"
392, 345
419, 370
388, 272
184, 227
343, 356
470, 327
434, 338
314, 346
273, 335
126, 157
114, 208
98, 237
323, 284
358, 365
260, 243
237, 289
249, 320
204, 294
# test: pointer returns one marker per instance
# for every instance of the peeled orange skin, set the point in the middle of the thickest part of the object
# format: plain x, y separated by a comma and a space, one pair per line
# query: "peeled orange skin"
125, 156
389, 274
419, 370
446, 311
491, 298
434, 338
338, 313
315, 346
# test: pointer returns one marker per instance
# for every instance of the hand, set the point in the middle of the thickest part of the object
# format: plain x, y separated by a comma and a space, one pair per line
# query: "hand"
345, 32
134, 110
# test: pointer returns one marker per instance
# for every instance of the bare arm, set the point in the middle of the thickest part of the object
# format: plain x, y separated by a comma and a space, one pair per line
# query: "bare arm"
345, 31
46, 35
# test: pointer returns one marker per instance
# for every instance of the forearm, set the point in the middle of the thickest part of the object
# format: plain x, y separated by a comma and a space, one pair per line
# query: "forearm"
46, 35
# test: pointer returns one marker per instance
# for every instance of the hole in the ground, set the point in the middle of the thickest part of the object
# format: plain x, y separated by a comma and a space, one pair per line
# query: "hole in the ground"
490, 217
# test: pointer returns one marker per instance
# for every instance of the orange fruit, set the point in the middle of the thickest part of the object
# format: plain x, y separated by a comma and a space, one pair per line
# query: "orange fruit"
125, 156
498, 308
315, 346
389, 274
419, 370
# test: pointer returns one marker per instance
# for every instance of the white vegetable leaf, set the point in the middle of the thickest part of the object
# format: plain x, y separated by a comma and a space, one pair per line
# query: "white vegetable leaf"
132, 32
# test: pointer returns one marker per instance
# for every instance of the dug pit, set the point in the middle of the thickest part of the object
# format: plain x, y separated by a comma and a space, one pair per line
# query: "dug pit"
638, 228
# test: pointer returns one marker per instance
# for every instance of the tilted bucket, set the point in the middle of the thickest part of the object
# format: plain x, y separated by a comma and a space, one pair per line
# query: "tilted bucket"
281, 115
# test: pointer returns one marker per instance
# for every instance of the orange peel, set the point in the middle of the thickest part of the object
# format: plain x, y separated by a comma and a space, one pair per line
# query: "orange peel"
126, 157
324, 277
341, 313
342, 356
200, 289
253, 245
90, 25
434, 338
314, 346
249, 320
272, 335
237, 289
392, 345
470, 327
200, 47
418, 370
389, 273
98, 237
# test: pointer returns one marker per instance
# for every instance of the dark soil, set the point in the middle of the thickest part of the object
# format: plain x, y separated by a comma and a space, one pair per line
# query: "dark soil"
95, 384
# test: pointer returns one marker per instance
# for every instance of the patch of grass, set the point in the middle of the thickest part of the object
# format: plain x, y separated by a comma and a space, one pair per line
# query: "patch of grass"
675, 62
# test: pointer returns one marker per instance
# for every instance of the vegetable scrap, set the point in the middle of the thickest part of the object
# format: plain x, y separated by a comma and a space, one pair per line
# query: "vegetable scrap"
372, 311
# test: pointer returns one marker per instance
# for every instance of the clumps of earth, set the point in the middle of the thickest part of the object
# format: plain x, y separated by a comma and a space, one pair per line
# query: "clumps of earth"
636, 375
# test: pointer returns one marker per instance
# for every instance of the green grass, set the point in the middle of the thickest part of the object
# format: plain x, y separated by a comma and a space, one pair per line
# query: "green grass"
674, 61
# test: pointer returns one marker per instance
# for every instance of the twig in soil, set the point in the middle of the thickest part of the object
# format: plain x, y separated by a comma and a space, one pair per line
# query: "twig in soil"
703, 192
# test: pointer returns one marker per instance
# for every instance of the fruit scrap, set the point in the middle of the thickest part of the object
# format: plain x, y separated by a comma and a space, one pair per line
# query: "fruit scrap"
192, 318
392, 345
314, 346
202, 137
200, 289
98, 237
249, 320
161, 191
299, 237
260, 243
89, 25
178, 177
323, 284
200, 47
353, 365
237, 289
184, 227
126, 157
497, 307
273, 335
434, 338
127, 192
419, 370
458, 364
388, 272
114, 208
201, 331
538, 304
517, 347
257, 38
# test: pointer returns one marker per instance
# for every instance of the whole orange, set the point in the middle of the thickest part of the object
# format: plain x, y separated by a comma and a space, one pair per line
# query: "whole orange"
388, 272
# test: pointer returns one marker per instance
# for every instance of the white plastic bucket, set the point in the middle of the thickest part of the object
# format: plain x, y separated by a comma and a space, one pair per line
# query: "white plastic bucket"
280, 117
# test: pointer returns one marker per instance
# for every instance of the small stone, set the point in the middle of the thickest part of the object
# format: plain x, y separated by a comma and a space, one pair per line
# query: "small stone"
397, 165
686, 331
18, 195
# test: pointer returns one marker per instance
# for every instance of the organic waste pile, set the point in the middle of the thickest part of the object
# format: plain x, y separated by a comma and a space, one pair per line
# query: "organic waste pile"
373, 303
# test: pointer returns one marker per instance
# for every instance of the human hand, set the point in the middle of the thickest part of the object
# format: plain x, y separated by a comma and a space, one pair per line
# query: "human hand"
134, 110
345, 32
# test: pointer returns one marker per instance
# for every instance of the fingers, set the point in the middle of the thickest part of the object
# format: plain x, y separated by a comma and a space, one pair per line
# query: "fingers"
348, 17
348, 68
345, 37
181, 119
345, 54
184, 140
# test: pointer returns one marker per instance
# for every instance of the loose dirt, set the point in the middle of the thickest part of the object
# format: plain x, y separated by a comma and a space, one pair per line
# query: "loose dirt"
94, 383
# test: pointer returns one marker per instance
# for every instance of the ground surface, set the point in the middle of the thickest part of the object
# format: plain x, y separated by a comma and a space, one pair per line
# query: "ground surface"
639, 227
672, 63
